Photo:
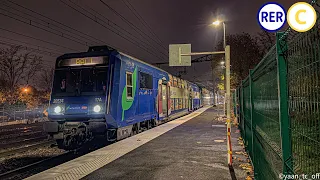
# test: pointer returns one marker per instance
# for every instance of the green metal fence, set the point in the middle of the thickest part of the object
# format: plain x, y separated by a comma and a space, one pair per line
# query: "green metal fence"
279, 107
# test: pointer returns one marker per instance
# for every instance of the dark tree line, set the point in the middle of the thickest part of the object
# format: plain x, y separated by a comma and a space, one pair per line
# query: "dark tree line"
246, 52
20, 72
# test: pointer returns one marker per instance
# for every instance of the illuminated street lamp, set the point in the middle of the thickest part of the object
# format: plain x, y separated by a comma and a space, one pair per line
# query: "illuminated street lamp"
217, 23
25, 90
227, 83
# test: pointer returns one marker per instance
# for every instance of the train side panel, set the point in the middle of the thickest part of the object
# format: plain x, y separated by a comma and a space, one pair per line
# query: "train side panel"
195, 96
137, 93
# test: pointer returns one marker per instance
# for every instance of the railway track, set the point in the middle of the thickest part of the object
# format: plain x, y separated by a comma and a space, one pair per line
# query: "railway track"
30, 133
42, 165
27, 147
20, 128
22, 142
25, 171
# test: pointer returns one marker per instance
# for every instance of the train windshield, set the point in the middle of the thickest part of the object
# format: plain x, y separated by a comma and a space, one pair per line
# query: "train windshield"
83, 81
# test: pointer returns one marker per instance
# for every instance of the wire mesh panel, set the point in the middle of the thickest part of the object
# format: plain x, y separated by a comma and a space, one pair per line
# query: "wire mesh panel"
267, 140
242, 130
279, 106
303, 61
247, 116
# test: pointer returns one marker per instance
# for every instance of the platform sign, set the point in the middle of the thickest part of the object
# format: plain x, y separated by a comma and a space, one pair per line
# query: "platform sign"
176, 57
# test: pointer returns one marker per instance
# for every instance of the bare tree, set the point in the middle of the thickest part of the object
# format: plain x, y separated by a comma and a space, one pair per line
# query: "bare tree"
266, 40
18, 66
46, 78
245, 54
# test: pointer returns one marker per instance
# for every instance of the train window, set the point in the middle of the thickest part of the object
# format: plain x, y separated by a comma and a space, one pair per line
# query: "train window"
174, 81
129, 85
146, 81
172, 104
176, 104
170, 80
182, 103
186, 103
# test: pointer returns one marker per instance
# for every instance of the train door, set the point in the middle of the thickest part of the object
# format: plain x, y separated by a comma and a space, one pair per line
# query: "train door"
163, 99
164, 92
145, 92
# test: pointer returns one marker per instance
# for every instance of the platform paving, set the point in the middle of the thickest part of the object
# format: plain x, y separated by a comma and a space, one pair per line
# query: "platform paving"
194, 150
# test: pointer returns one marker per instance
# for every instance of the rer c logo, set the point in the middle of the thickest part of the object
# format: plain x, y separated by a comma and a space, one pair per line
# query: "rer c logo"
271, 16
301, 17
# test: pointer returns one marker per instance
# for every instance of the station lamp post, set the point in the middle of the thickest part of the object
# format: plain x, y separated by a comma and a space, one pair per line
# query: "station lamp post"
227, 86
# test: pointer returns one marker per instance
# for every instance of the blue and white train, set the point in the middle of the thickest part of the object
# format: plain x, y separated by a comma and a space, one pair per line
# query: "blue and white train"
106, 92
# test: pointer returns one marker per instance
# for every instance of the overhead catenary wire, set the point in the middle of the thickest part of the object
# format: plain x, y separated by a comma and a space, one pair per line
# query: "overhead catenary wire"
82, 34
43, 24
145, 24
108, 22
110, 29
36, 46
116, 26
89, 37
46, 64
129, 23
40, 51
44, 28
44, 41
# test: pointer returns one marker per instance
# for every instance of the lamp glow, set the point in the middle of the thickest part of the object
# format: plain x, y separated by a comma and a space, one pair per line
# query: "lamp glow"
216, 23
97, 108
57, 109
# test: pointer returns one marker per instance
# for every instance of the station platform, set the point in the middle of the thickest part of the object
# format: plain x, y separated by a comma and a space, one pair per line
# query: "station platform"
190, 147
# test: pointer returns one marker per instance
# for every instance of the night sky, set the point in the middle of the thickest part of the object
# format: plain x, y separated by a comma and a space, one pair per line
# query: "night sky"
173, 21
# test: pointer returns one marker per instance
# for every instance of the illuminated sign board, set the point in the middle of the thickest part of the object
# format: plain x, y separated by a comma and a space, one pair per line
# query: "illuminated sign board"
86, 61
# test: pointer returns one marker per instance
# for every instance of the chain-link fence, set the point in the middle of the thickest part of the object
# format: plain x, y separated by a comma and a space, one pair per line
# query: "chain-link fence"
279, 107
20, 112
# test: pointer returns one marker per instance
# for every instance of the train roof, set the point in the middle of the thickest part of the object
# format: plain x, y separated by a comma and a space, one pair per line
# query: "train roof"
106, 51
143, 62
92, 51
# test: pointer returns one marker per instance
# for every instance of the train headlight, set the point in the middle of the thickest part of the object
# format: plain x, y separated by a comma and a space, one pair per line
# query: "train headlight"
97, 108
57, 109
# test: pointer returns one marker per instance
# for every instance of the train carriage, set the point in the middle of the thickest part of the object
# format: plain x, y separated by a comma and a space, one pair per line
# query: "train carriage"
195, 91
106, 92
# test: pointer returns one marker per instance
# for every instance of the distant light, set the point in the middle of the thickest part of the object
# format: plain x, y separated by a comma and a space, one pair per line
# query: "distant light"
216, 23
222, 62
97, 108
25, 89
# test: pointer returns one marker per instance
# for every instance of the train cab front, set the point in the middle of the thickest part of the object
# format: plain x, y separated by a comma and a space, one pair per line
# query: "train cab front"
78, 101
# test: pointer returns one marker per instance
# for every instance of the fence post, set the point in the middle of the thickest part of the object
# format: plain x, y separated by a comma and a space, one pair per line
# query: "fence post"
251, 113
242, 115
283, 105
